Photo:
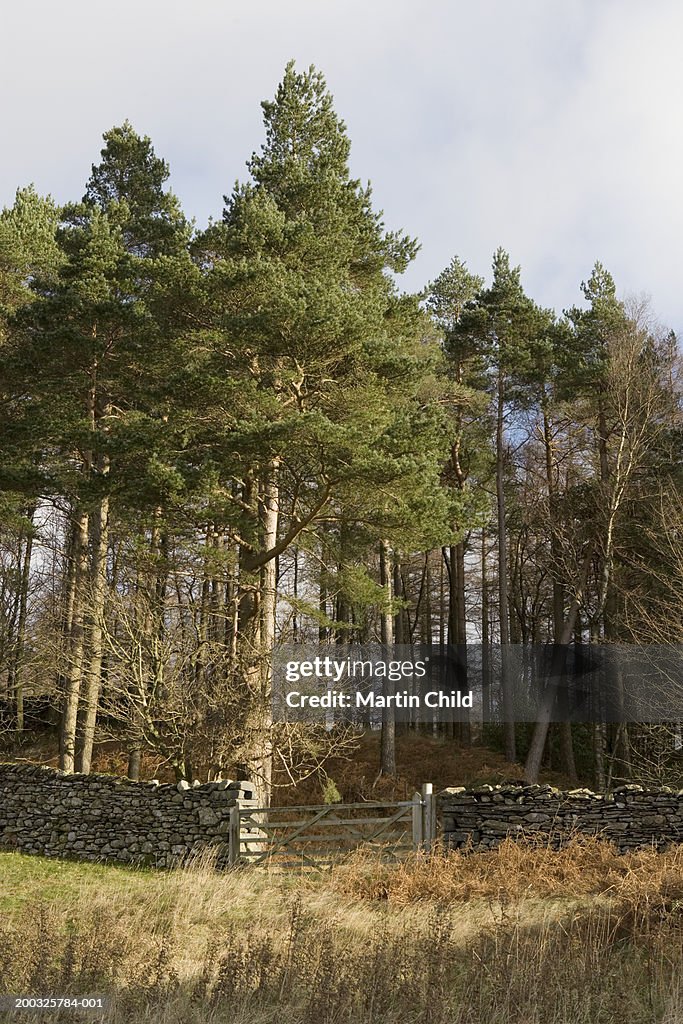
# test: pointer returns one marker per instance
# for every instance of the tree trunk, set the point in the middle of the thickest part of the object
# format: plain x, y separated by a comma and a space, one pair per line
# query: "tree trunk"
401, 631
567, 751
93, 674
566, 738
399, 618
457, 627
258, 607
295, 594
323, 630
74, 647
503, 603
67, 614
485, 632
15, 682
532, 766
268, 618
599, 754
388, 741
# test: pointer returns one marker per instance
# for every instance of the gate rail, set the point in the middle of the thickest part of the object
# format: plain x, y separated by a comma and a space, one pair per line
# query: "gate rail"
324, 834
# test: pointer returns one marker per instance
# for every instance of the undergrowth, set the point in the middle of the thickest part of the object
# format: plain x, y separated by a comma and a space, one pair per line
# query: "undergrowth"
524, 934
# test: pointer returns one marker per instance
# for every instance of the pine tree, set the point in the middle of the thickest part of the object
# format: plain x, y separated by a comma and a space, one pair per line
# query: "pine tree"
317, 365
89, 351
448, 297
501, 325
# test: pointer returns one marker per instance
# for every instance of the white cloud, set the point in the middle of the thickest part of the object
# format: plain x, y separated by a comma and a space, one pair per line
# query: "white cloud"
547, 126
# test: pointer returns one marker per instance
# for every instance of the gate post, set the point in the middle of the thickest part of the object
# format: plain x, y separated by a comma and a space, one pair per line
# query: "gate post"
417, 821
428, 816
234, 835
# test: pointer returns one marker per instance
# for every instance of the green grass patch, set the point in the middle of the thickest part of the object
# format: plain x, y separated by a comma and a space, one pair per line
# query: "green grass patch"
24, 878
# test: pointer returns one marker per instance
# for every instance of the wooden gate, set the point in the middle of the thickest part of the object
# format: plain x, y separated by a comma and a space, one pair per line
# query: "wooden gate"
323, 835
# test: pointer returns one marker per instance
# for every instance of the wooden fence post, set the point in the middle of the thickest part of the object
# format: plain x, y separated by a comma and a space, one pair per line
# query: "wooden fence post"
417, 821
234, 835
428, 816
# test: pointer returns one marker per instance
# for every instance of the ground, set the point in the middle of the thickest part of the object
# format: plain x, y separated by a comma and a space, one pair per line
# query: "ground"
522, 935
420, 758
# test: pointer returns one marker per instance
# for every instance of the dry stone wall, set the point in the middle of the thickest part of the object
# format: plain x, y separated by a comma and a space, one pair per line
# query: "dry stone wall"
104, 818
631, 816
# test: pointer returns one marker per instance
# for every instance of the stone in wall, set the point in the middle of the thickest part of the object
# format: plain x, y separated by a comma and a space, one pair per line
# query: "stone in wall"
630, 817
105, 818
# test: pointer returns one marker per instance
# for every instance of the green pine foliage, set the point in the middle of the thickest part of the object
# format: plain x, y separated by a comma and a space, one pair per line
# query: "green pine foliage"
242, 416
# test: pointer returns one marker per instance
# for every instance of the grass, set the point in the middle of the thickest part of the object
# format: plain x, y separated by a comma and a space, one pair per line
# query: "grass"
585, 866
65, 882
523, 934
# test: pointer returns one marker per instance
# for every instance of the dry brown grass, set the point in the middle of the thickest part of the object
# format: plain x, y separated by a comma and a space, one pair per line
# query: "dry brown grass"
584, 866
525, 934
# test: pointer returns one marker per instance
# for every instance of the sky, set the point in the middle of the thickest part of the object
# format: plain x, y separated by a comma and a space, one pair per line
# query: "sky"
549, 127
